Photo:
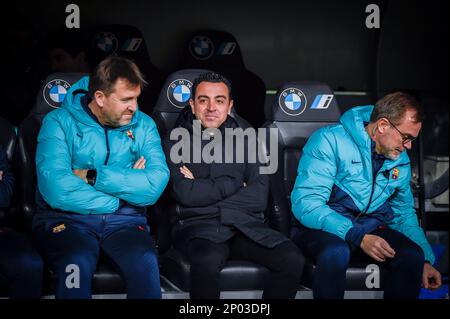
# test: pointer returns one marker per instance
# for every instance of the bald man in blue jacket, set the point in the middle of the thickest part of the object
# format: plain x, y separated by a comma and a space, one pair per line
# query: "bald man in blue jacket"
352, 196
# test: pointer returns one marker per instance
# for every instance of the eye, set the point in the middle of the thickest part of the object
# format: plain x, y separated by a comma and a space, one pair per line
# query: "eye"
127, 100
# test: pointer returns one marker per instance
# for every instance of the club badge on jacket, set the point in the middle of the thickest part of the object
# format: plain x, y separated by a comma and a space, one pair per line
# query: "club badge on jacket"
395, 173
130, 134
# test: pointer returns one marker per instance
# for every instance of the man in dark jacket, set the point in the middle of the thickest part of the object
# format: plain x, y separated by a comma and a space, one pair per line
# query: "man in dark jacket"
220, 205
19, 261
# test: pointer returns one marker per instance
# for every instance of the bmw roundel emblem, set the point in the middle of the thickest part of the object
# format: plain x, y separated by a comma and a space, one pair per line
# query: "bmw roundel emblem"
179, 92
201, 47
55, 91
292, 101
106, 42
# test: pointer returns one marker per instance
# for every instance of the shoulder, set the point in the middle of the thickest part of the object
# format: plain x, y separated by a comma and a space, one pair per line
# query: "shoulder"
146, 122
60, 116
327, 135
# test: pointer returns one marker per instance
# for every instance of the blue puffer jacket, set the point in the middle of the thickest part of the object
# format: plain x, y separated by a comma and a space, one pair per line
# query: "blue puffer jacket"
71, 139
335, 190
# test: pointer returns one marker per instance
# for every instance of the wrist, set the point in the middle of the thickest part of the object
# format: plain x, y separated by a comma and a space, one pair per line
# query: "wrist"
91, 176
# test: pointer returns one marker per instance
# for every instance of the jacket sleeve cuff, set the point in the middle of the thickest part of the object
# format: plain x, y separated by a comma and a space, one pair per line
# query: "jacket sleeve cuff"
355, 236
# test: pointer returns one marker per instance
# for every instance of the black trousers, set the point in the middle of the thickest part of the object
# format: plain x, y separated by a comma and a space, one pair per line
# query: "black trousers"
208, 258
332, 254
21, 264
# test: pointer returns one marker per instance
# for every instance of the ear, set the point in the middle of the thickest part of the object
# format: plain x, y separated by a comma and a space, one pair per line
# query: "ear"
99, 97
191, 103
382, 125
230, 106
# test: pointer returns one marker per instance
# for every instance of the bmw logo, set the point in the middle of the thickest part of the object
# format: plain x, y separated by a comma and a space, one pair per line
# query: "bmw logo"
55, 91
201, 47
179, 92
106, 42
292, 101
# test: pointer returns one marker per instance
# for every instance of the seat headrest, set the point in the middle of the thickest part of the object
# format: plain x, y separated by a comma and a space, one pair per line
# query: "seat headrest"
53, 91
176, 91
7, 137
212, 49
117, 39
305, 102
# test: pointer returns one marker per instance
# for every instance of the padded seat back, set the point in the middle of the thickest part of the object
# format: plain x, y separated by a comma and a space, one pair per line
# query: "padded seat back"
127, 41
299, 109
49, 98
219, 51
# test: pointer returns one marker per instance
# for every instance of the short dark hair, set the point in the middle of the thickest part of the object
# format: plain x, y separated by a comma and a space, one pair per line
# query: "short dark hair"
213, 78
110, 70
393, 107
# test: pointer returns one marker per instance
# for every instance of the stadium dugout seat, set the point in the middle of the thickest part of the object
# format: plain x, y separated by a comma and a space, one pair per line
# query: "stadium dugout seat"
8, 142
106, 280
8, 138
219, 51
126, 41
236, 275
300, 108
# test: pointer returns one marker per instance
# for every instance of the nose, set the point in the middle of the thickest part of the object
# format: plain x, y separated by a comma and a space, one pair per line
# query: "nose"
211, 106
132, 106
408, 145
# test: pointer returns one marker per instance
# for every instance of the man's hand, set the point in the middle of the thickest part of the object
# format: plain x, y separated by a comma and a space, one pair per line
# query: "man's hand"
431, 278
140, 163
81, 173
186, 172
377, 248
1, 176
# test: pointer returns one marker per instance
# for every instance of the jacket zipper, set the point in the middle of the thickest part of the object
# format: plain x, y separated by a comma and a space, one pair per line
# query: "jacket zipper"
370, 198
373, 190
107, 146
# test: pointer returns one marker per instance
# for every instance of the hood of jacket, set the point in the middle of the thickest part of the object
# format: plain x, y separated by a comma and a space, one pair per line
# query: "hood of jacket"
354, 121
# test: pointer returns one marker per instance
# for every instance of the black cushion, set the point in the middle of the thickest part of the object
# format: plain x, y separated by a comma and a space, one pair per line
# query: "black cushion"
305, 101
174, 96
356, 276
8, 142
49, 98
219, 51
127, 41
7, 138
236, 275
53, 91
